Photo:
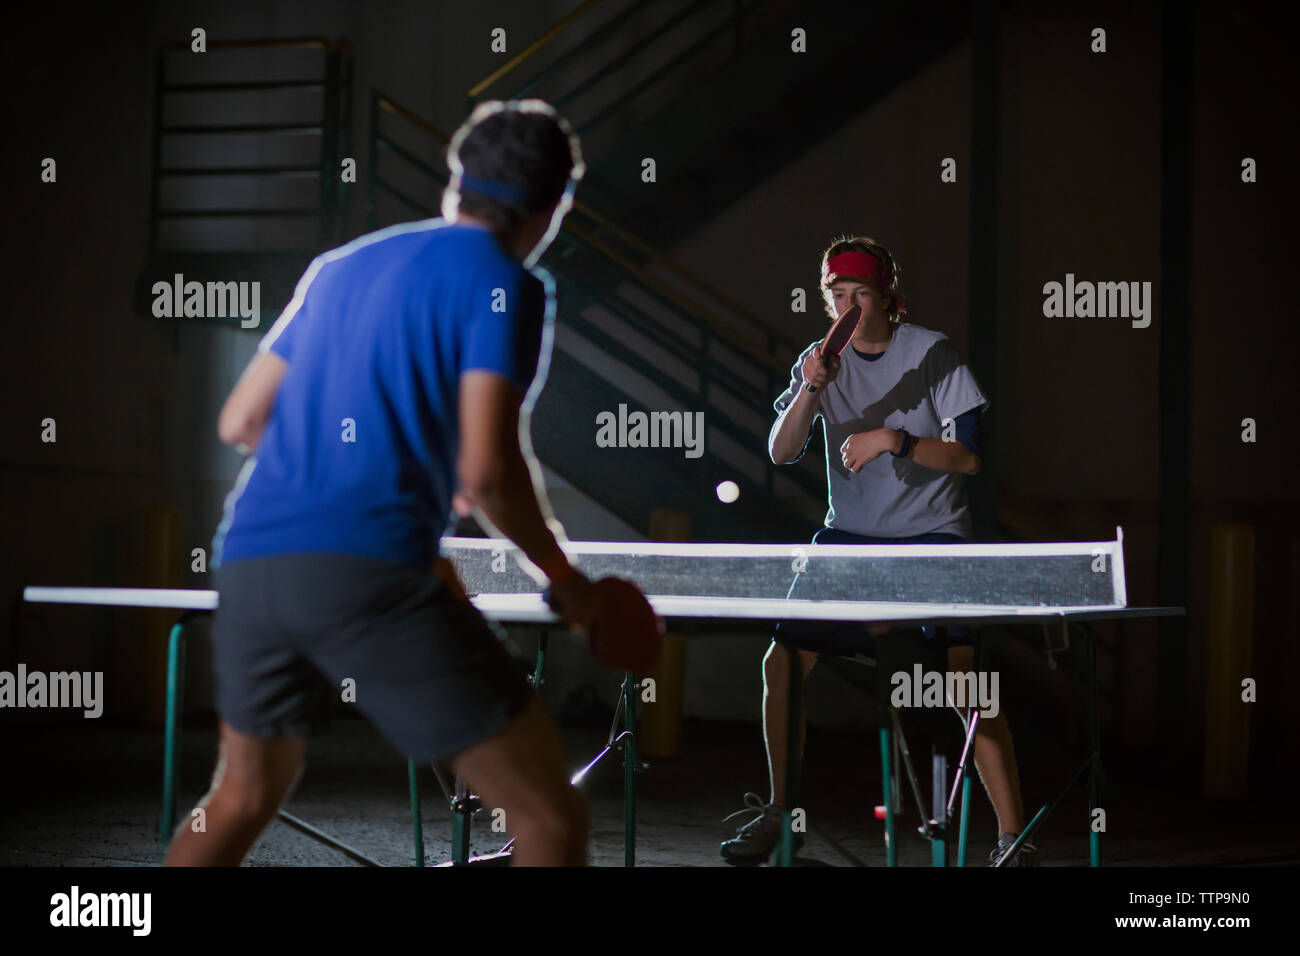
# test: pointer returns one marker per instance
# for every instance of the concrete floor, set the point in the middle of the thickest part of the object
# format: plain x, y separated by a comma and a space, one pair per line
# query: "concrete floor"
91, 797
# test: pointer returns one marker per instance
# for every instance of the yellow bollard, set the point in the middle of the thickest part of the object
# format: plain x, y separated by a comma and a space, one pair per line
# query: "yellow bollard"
1228, 652
662, 718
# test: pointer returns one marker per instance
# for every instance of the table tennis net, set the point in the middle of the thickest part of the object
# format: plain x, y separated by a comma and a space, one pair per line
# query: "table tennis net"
1085, 575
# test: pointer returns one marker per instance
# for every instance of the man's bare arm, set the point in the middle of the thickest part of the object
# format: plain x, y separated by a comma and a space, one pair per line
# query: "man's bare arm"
942, 455
248, 409
492, 470
790, 431
496, 478
863, 447
789, 434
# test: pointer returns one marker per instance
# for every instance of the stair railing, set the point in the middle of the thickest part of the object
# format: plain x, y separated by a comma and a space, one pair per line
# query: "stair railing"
331, 124
736, 361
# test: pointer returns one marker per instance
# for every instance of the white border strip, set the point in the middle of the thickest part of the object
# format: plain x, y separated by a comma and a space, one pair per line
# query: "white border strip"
529, 608
727, 550
183, 599
1117, 569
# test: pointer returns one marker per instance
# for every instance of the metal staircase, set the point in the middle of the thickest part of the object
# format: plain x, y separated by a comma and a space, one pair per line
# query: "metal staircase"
707, 91
628, 334
249, 141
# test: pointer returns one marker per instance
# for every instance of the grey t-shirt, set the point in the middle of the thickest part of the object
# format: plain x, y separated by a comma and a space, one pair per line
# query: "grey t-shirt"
916, 384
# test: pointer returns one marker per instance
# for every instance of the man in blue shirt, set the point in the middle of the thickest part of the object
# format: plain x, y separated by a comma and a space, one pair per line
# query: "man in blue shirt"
396, 379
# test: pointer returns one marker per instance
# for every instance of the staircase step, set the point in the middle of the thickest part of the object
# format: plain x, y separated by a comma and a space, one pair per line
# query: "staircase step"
634, 482
765, 108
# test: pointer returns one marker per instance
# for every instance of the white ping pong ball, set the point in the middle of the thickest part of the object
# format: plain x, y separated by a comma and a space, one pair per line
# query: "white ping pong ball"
728, 491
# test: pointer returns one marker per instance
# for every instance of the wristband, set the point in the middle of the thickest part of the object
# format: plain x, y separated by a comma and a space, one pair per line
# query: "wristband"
556, 566
907, 444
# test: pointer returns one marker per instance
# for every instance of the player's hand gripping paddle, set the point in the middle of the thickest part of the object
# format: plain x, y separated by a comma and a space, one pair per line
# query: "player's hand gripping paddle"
622, 628
626, 633
841, 332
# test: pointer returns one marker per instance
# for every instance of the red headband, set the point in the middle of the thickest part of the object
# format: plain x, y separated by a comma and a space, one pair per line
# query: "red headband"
861, 265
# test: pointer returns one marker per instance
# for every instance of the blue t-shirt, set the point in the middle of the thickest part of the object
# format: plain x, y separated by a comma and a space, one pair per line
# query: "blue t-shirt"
359, 454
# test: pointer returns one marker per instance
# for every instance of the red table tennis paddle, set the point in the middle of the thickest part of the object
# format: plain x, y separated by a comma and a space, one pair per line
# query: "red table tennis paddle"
838, 339
624, 633
841, 332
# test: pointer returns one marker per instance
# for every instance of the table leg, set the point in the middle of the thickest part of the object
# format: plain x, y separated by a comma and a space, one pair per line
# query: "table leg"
1094, 751
939, 793
964, 831
887, 775
417, 824
792, 756
962, 783
172, 732
462, 818
939, 804
629, 769
542, 643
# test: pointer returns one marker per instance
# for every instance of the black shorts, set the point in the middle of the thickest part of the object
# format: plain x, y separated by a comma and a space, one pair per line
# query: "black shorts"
852, 639
424, 666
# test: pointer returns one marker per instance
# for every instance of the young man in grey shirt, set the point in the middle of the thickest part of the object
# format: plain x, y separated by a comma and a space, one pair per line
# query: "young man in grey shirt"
902, 415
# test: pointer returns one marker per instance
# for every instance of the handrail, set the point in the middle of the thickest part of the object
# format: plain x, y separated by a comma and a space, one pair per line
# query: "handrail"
775, 338
678, 343
673, 266
609, 27
556, 29
387, 102
663, 70
732, 337
727, 333
808, 476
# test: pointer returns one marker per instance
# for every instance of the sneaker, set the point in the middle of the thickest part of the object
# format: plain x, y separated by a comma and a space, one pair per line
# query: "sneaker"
1027, 855
755, 841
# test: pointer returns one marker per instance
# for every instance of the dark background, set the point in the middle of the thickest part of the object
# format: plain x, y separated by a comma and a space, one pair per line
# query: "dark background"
1115, 166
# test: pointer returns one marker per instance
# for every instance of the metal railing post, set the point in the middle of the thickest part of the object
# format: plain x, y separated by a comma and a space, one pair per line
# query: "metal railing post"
329, 145
372, 160
343, 143
158, 83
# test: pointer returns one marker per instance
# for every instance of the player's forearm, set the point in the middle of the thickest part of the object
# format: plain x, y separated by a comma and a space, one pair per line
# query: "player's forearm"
789, 433
507, 499
246, 411
243, 436
940, 455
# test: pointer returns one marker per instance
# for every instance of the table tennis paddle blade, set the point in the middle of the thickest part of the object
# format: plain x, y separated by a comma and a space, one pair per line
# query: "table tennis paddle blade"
838, 338
625, 634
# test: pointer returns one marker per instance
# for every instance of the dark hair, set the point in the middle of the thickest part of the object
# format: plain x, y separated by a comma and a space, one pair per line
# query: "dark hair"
890, 284
522, 151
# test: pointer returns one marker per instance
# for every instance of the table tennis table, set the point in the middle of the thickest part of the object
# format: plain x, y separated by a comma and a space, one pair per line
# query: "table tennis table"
722, 587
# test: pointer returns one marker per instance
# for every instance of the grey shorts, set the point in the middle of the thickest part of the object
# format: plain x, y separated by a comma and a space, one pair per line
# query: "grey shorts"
294, 632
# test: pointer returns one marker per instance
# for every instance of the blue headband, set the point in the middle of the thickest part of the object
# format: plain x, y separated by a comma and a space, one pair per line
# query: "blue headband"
495, 189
